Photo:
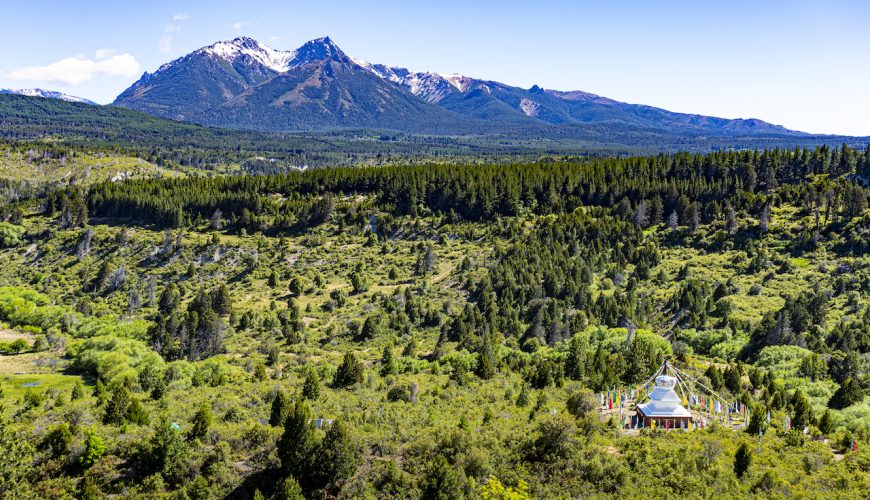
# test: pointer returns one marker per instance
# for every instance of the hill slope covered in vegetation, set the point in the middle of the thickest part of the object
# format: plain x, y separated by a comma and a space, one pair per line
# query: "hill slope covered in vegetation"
438, 331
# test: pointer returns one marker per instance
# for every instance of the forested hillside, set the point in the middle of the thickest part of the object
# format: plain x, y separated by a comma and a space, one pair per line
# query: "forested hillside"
36, 123
444, 330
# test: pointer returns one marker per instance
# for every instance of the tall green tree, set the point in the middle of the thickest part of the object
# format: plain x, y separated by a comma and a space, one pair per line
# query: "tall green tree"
297, 443
742, 460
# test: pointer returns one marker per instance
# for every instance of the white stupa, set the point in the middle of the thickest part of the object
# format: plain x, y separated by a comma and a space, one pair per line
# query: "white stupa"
665, 406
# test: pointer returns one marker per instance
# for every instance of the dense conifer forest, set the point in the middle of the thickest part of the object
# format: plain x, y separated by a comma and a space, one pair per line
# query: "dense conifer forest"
435, 330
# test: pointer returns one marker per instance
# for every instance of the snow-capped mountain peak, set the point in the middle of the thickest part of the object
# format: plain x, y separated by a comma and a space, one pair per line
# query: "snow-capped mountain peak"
431, 87
49, 94
276, 60
395, 75
319, 49
461, 82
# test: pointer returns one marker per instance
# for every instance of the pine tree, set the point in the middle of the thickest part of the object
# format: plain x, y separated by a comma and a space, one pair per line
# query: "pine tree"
297, 442
757, 420
337, 456
849, 393
388, 362
222, 302
281, 406
167, 448
78, 391
733, 379
201, 422
117, 405
742, 460
358, 282
803, 410
693, 216
350, 372
289, 489
311, 386
826, 423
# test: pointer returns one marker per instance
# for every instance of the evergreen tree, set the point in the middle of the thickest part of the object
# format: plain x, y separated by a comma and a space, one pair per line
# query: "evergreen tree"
350, 372
337, 457
826, 423
58, 439
311, 386
742, 460
167, 449
94, 449
222, 302
297, 443
581, 403
78, 391
733, 379
281, 406
803, 410
849, 393
757, 420
693, 216
201, 422
117, 406
442, 481
289, 489
575, 362
358, 282
487, 358
388, 362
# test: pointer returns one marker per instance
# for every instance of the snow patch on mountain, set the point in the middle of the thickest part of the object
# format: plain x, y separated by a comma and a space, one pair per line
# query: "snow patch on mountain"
461, 82
431, 87
276, 60
395, 75
529, 107
49, 94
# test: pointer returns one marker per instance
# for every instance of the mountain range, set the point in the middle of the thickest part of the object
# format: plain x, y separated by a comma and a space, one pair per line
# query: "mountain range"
49, 94
244, 84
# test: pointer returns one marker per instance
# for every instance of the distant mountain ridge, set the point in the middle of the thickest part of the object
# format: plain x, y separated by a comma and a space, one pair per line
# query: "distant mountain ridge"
244, 84
49, 94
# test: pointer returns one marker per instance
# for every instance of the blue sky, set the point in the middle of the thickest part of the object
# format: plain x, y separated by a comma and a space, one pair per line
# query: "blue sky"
801, 64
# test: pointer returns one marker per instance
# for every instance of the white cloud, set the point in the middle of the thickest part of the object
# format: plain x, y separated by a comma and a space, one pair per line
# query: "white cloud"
78, 69
240, 25
105, 53
169, 32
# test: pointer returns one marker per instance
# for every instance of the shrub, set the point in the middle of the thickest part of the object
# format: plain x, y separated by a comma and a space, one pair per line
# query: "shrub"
10, 234
94, 449
581, 403
113, 359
